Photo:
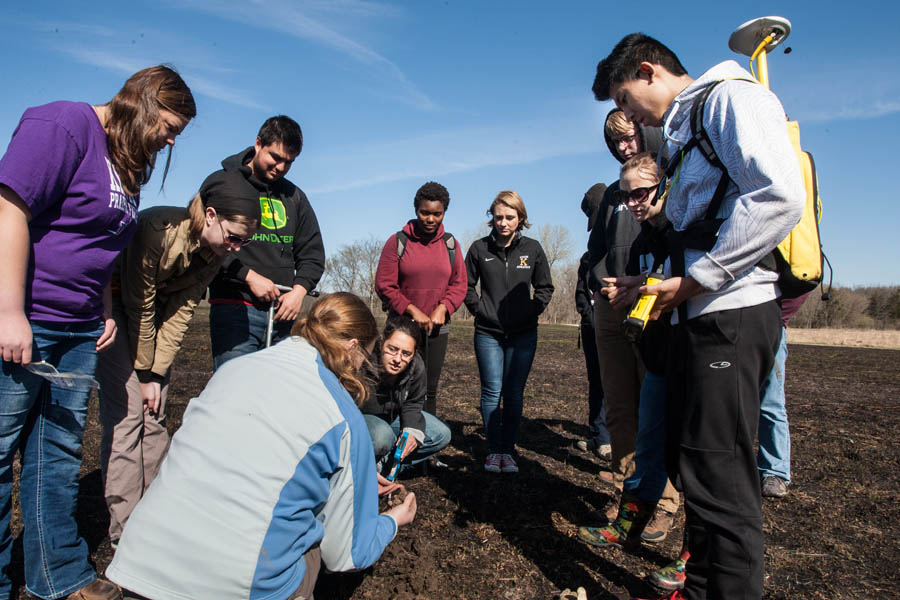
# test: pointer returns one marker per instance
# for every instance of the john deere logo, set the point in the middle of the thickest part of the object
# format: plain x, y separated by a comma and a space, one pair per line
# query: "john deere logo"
273, 213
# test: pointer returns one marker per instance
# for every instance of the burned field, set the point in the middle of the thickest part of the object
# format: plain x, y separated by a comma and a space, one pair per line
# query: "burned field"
478, 535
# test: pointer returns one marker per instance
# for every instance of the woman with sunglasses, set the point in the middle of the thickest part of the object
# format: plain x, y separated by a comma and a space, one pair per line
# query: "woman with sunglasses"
396, 402
70, 185
515, 288
157, 283
270, 474
639, 193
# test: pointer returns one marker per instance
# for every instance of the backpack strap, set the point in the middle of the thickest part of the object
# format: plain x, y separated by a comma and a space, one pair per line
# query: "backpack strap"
450, 242
402, 238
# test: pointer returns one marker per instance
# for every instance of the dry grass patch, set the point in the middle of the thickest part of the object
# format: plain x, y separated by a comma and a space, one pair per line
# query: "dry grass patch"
857, 338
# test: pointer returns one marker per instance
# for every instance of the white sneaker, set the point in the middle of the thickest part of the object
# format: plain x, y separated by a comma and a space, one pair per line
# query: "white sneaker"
508, 464
492, 463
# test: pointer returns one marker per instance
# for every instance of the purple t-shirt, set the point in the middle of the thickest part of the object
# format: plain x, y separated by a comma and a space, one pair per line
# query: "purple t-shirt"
57, 162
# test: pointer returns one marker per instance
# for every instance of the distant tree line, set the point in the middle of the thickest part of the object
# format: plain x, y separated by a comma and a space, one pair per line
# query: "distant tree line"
352, 268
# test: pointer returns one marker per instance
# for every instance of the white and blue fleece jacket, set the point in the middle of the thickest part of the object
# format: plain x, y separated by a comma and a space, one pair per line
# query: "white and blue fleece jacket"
747, 127
272, 458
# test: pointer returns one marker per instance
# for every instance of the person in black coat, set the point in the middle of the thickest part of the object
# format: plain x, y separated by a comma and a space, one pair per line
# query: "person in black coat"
515, 288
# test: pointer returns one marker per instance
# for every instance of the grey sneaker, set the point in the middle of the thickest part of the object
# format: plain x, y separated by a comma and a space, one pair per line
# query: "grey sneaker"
774, 487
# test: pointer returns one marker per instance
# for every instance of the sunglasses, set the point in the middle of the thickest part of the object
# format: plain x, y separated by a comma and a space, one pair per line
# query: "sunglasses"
234, 240
637, 195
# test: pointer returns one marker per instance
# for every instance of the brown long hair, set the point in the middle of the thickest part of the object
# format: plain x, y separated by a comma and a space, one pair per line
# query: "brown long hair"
134, 118
335, 319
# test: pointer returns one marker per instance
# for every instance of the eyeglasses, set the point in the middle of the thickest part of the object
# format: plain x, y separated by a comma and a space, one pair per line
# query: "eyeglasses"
624, 139
404, 355
234, 240
637, 195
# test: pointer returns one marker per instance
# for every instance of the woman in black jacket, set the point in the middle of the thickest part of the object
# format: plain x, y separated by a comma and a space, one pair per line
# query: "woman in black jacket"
509, 266
395, 406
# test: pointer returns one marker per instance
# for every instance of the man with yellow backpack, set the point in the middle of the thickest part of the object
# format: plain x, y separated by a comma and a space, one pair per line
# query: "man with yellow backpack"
727, 319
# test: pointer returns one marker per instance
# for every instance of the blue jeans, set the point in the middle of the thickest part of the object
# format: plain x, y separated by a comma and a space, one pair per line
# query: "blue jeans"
649, 478
503, 365
47, 422
774, 456
384, 437
597, 431
238, 329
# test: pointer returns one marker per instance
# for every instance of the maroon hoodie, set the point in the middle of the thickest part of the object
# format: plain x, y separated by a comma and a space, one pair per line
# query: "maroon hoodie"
423, 275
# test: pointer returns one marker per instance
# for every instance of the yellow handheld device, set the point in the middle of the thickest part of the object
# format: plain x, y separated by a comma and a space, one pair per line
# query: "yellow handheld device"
640, 311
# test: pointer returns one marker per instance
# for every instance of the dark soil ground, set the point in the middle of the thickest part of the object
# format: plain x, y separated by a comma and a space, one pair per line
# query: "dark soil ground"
478, 535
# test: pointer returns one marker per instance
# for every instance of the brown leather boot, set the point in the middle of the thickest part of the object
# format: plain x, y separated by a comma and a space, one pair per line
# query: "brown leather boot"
98, 589
659, 527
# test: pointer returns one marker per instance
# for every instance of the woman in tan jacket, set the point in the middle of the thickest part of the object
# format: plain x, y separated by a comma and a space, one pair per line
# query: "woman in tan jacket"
158, 281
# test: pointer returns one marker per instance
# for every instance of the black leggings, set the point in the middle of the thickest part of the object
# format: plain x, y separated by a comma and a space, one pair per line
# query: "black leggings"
435, 352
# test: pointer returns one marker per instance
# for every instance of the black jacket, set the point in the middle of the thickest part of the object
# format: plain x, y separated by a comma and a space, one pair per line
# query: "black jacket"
584, 303
615, 229
287, 248
404, 397
507, 276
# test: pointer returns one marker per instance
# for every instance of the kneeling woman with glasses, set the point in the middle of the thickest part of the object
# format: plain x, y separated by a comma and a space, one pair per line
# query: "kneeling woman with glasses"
157, 283
396, 402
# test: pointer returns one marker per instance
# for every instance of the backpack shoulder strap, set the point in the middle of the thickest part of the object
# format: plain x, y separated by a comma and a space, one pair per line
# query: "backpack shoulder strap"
402, 238
450, 242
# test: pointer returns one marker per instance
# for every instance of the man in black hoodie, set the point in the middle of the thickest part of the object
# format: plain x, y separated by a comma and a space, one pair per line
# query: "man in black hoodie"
287, 249
621, 368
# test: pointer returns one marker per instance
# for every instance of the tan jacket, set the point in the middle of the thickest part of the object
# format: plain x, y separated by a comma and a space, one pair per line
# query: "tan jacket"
162, 276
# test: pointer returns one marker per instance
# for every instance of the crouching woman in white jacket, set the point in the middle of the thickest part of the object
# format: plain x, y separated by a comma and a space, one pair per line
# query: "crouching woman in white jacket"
272, 469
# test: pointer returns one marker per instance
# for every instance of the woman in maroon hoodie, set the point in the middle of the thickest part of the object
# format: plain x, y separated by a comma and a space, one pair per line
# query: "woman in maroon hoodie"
421, 273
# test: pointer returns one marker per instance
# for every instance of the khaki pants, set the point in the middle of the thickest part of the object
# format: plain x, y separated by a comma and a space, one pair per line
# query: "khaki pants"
621, 373
313, 559
134, 442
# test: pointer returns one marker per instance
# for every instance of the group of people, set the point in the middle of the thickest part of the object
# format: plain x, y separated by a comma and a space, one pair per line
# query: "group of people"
98, 289
683, 405
94, 287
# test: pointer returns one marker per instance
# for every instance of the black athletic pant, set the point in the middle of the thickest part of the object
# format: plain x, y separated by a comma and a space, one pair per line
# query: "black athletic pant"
435, 352
718, 363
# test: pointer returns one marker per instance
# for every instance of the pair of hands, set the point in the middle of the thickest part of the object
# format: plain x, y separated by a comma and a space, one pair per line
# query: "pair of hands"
623, 291
288, 304
403, 513
427, 322
16, 337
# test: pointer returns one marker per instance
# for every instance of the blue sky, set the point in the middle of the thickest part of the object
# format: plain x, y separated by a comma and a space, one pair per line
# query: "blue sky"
478, 95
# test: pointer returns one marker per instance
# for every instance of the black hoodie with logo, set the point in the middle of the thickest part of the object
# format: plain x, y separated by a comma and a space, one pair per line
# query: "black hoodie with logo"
615, 229
287, 248
507, 275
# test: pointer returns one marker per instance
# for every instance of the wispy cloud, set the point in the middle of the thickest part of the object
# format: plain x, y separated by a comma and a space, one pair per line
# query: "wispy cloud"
130, 64
850, 112
445, 152
310, 21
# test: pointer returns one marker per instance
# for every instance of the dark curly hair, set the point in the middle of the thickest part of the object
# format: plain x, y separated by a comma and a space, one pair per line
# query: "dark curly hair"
625, 60
432, 192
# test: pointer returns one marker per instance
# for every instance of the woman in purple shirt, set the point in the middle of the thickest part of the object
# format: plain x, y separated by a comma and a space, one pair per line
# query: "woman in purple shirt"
69, 189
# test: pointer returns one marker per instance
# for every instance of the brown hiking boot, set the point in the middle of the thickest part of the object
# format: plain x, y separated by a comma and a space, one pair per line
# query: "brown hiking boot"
659, 527
98, 589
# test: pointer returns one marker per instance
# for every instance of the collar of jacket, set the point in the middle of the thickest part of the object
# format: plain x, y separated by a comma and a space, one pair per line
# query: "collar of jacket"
517, 237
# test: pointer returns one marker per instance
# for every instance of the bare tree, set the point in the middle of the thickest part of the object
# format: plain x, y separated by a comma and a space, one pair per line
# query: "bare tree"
352, 269
562, 305
557, 243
